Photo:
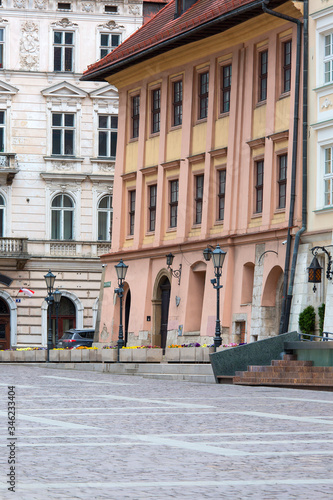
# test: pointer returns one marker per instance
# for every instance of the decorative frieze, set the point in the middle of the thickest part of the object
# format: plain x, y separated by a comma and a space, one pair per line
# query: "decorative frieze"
29, 46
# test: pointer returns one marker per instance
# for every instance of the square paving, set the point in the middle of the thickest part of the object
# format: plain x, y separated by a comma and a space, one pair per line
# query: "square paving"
83, 435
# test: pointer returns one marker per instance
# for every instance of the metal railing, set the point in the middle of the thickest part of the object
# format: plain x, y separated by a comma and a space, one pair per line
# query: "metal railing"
308, 338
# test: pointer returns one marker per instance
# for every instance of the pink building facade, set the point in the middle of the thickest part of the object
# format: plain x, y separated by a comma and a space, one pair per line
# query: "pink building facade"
205, 156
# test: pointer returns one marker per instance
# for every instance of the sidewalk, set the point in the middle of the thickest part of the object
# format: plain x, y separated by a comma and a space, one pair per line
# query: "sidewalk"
83, 435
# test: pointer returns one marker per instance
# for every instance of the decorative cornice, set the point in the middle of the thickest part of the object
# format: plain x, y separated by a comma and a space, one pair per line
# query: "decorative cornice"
256, 143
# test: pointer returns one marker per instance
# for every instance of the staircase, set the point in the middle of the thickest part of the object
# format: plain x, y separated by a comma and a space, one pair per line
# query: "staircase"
288, 373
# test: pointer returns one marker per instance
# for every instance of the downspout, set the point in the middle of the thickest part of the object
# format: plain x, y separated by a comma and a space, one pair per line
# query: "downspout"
284, 314
304, 165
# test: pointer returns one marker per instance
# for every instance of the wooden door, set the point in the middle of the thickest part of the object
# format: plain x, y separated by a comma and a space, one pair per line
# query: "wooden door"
165, 289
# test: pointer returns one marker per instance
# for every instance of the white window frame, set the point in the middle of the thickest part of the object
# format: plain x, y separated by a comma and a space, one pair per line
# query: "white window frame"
110, 47
109, 131
109, 210
3, 126
64, 27
62, 209
4, 207
63, 128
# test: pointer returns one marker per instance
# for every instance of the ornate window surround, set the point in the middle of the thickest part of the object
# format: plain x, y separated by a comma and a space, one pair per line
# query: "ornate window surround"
64, 25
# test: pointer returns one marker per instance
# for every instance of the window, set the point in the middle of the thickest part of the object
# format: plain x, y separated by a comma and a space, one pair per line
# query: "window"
110, 9
156, 110
199, 183
2, 46
225, 88
62, 218
107, 135
282, 180
131, 212
64, 6
177, 102
174, 186
105, 213
328, 58
221, 194
152, 207
203, 94
63, 132
2, 216
259, 185
328, 177
135, 116
63, 46
263, 64
2, 131
286, 67
108, 43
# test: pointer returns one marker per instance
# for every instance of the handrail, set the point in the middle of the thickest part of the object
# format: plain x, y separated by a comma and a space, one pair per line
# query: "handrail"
324, 338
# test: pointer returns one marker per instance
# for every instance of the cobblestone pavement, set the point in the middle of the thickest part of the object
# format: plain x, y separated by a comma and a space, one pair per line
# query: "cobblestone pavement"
83, 435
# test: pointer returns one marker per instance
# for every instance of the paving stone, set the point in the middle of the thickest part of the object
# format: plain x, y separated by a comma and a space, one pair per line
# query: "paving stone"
87, 434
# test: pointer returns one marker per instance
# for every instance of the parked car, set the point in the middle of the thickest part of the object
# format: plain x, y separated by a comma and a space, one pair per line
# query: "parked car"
76, 337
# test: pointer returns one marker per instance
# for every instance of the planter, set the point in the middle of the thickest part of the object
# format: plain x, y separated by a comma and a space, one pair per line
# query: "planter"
64, 356
5, 356
172, 354
109, 355
85, 355
40, 356
154, 355
54, 356
125, 355
76, 355
29, 356
92, 355
187, 354
139, 355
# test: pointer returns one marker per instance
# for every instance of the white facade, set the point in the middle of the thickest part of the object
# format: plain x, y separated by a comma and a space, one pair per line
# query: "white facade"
320, 167
57, 148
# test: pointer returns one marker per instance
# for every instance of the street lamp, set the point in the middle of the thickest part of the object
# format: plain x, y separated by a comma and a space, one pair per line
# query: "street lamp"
177, 272
57, 298
121, 270
49, 279
315, 268
218, 257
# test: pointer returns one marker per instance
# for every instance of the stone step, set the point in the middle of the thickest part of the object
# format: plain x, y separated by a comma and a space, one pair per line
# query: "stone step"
286, 382
291, 368
289, 357
286, 375
283, 362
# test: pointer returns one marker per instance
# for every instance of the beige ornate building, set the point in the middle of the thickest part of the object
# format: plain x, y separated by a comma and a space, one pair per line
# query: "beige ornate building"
57, 141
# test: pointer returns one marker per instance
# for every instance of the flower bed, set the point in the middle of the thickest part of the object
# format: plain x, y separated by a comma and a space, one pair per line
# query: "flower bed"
185, 353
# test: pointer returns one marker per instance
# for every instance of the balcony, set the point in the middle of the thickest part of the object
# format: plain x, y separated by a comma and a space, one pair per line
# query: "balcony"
8, 167
87, 249
15, 248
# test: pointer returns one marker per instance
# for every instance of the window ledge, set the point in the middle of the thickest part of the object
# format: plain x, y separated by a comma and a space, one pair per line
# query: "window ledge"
176, 127
261, 103
223, 115
279, 210
103, 159
154, 134
130, 237
63, 158
171, 230
284, 95
219, 223
323, 210
200, 120
256, 216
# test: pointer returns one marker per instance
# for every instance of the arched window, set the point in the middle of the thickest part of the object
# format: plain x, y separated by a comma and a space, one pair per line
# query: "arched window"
105, 213
62, 218
2, 216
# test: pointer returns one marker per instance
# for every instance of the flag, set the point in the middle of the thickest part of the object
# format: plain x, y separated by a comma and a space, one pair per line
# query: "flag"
26, 291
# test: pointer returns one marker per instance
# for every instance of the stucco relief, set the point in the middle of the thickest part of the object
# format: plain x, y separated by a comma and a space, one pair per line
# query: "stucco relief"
40, 4
64, 23
106, 167
326, 104
87, 7
20, 4
63, 166
111, 25
29, 46
3, 161
134, 10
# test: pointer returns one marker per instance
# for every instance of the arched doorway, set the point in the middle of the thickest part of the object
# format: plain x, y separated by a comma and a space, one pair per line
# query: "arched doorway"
66, 317
165, 288
4, 325
127, 314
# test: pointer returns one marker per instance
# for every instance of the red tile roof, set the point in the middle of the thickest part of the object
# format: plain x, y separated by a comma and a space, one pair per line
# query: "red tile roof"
163, 27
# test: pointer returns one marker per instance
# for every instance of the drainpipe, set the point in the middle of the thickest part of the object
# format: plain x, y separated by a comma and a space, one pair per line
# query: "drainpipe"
304, 166
287, 293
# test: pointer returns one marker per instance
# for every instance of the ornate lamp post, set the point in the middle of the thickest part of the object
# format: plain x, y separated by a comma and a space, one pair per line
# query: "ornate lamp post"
57, 298
218, 256
177, 273
315, 268
49, 279
121, 270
